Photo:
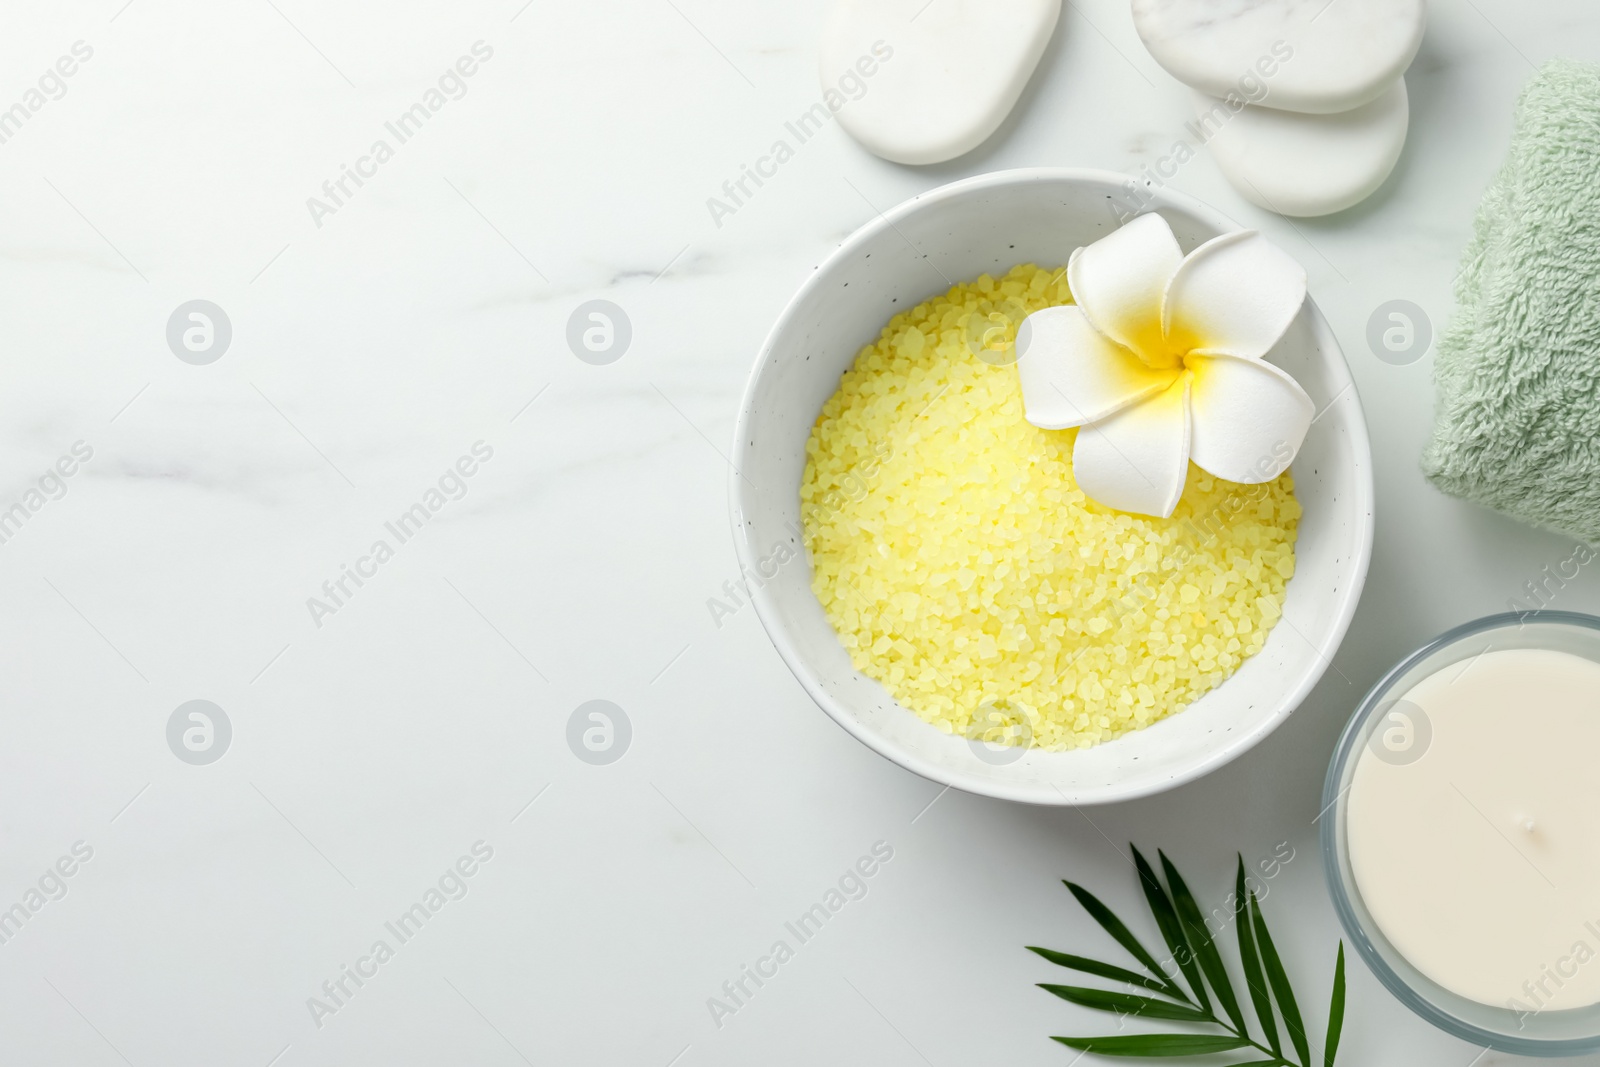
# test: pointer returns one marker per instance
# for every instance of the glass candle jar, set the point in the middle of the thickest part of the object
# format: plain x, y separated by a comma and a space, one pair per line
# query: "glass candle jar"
1461, 832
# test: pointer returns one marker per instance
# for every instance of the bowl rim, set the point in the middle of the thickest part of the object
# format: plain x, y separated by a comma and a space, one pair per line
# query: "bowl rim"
1335, 850
1024, 792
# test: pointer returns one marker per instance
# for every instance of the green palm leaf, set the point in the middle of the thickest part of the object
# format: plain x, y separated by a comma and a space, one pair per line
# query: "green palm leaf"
1101, 970
1154, 1044
1187, 936
1171, 928
1205, 947
1127, 1003
1121, 934
1279, 981
1335, 1011
1253, 978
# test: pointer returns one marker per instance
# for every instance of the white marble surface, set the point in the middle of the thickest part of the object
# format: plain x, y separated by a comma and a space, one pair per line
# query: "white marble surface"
424, 715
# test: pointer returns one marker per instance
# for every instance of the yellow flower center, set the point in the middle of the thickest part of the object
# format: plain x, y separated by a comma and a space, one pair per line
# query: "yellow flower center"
1163, 356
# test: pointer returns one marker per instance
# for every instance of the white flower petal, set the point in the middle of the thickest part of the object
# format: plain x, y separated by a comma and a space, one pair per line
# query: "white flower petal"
1249, 417
1119, 281
1137, 459
1071, 374
1236, 293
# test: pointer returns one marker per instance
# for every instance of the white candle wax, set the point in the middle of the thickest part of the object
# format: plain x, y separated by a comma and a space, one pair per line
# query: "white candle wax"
1473, 828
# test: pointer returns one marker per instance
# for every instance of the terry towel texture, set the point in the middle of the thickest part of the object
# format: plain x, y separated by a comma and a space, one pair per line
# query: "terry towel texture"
1517, 373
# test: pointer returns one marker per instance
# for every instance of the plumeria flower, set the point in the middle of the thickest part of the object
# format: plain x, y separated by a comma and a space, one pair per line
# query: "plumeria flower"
1160, 362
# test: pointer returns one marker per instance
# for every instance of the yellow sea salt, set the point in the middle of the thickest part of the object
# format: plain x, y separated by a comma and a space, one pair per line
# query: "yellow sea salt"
965, 571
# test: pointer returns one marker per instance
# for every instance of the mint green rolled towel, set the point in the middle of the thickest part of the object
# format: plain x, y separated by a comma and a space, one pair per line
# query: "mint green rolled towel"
1517, 373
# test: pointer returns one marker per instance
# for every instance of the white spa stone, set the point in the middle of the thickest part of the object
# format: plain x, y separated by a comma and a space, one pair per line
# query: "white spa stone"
1297, 164
1317, 56
923, 81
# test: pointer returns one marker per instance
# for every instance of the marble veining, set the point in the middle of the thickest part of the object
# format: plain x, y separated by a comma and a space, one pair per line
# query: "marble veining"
1336, 54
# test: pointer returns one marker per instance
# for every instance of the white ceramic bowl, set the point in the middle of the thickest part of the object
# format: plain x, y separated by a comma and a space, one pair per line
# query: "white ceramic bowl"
956, 232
